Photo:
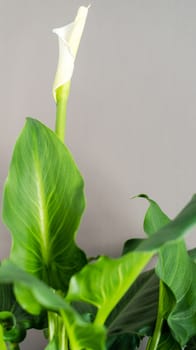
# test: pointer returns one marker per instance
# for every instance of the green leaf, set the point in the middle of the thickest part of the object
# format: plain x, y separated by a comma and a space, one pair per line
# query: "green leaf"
2, 343
137, 310
191, 344
167, 342
19, 321
82, 335
155, 218
104, 282
42, 206
36, 289
124, 342
176, 269
174, 230
51, 345
192, 254
131, 244
87, 311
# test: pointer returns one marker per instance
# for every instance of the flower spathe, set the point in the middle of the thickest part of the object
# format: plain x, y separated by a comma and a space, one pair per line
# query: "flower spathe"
69, 38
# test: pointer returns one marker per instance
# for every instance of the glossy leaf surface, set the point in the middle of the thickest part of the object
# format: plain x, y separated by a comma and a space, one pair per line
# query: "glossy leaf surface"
43, 204
104, 282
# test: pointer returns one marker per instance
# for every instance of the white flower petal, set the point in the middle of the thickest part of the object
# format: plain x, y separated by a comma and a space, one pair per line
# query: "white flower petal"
69, 38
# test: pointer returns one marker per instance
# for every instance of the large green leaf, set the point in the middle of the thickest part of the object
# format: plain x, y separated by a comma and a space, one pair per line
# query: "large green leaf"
176, 269
42, 206
178, 272
137, 310
172, 231
104, 282
34, 295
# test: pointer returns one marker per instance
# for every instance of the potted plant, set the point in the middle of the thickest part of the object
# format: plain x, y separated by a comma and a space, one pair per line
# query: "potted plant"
49, 283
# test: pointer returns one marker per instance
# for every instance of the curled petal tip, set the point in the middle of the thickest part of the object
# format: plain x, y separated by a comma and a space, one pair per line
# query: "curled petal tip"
69, 38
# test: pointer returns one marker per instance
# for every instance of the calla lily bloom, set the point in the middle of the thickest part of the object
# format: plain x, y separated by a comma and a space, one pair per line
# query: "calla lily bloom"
69, 39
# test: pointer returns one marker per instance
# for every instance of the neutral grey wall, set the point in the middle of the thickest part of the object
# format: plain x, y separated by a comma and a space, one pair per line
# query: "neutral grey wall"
132, 110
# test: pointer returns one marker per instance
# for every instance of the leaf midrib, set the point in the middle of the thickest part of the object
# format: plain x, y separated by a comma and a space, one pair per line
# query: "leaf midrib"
43, 214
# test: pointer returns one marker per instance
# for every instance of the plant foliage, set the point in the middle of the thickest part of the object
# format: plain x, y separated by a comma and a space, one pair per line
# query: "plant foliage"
48, 283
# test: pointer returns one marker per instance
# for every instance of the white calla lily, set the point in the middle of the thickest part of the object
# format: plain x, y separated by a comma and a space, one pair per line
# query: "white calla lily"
69, 39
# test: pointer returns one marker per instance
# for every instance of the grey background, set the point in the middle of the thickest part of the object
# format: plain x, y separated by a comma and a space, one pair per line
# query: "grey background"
132, 110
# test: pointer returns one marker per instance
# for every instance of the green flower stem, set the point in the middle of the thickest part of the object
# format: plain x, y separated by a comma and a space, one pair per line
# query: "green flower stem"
62, 94
154, 340
57, 330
